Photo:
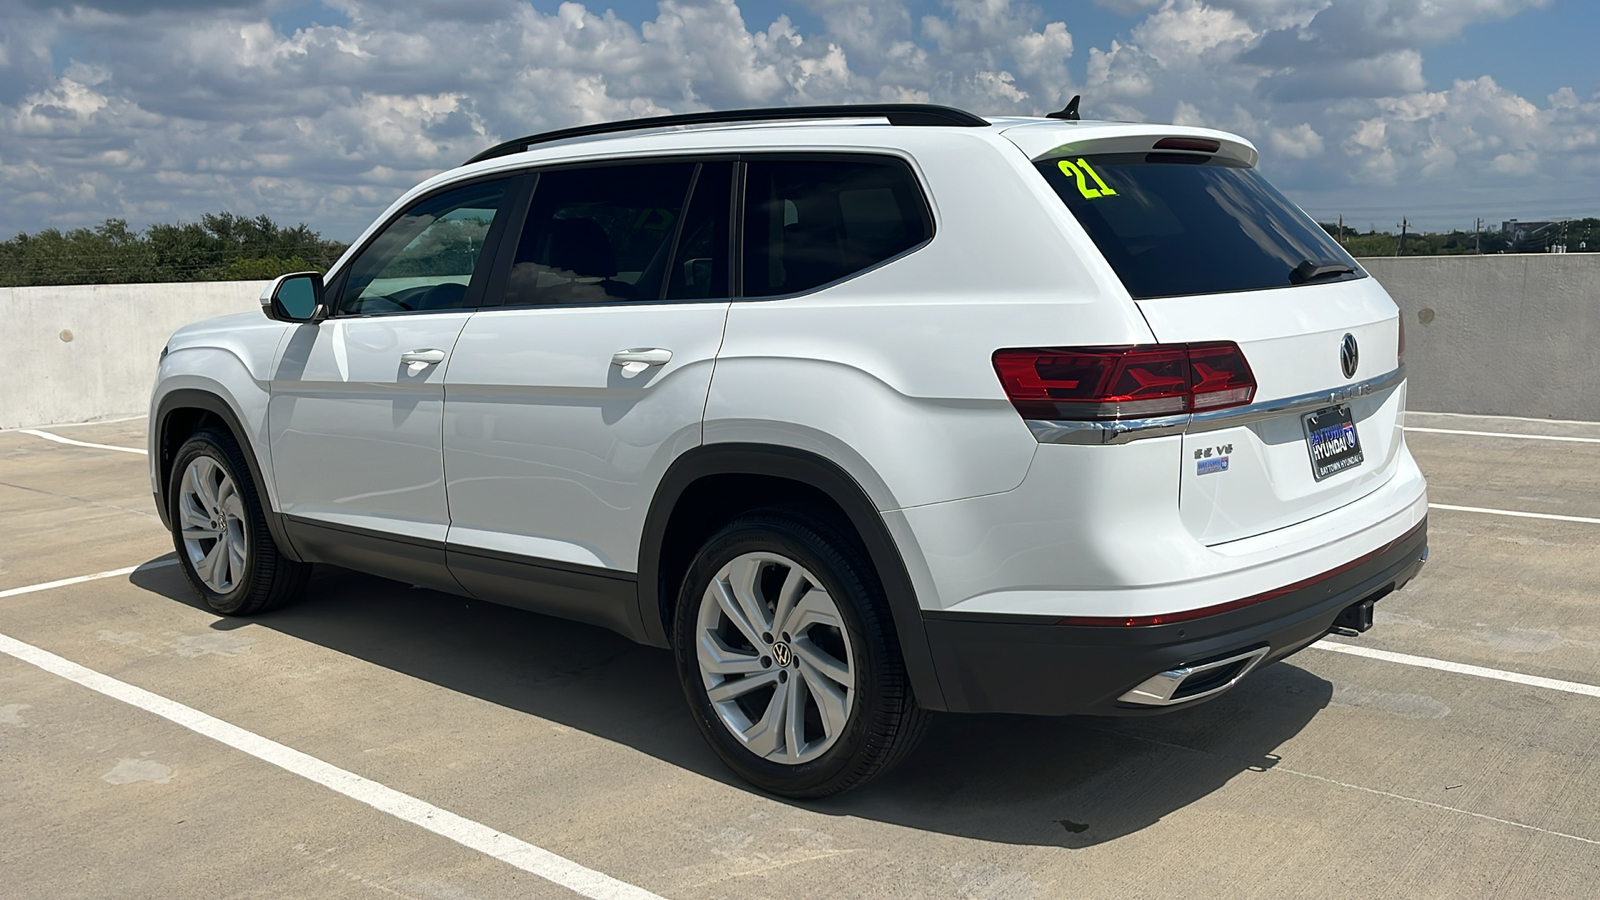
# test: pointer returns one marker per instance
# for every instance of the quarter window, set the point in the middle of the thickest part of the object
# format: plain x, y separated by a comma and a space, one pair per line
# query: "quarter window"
811, 222
426, 259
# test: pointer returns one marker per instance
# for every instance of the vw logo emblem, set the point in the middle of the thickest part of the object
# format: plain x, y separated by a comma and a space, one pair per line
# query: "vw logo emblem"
782, 655
1349, 355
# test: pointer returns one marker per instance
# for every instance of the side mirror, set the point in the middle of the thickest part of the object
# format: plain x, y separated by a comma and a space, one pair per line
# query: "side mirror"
294, 298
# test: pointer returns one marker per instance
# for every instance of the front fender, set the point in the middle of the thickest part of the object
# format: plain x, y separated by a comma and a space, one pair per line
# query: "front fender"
217, 381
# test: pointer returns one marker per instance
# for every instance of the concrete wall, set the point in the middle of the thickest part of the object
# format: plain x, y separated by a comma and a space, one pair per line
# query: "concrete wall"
1497, 335
1508, 335
87, 351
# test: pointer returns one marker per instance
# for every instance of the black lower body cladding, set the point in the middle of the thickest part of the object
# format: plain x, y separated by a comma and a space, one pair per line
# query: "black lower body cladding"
1026, 664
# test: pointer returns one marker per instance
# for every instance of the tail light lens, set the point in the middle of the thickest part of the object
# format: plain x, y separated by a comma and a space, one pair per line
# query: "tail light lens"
1219, 377
1106, 383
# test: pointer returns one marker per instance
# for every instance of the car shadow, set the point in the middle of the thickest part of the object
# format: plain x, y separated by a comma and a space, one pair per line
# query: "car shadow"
1066, 782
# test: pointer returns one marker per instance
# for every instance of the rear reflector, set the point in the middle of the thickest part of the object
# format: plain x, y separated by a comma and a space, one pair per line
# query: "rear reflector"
1204, 145
1108, 383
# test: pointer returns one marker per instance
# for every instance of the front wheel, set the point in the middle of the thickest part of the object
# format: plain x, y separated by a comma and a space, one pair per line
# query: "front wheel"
788, 657
219, 529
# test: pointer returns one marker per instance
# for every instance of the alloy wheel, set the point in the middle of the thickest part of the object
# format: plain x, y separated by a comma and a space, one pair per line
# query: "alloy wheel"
211, 519
774, 657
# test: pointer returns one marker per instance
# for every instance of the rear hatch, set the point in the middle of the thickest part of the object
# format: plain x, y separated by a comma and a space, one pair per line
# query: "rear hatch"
1210, 251
1247, 479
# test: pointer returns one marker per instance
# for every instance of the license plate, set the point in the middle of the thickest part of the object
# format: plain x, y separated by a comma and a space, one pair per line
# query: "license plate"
1331, 440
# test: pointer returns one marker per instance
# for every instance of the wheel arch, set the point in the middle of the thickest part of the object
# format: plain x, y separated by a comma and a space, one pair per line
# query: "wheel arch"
710, 482
181, 413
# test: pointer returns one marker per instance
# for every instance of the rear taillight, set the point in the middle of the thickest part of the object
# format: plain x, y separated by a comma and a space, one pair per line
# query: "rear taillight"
1101, 383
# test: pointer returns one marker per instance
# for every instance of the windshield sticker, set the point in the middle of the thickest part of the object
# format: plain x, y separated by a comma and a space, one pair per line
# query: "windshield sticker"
1077, 170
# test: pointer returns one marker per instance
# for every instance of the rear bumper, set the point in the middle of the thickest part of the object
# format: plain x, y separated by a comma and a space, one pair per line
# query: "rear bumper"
1036, 666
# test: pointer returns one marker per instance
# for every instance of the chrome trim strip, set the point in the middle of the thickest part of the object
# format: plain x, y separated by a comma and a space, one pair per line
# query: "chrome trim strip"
1228, 418
1125, 430
1117, 432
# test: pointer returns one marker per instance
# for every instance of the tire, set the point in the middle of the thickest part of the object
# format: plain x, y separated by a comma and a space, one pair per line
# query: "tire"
219, 528
818, 704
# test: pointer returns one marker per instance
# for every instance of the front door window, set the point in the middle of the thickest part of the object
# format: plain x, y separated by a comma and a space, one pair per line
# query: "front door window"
425, 260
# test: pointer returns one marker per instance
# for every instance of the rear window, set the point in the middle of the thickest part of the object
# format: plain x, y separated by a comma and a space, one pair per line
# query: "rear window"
1174, 225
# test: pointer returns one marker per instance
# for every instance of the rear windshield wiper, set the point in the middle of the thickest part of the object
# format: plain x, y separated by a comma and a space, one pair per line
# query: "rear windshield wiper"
1311, 271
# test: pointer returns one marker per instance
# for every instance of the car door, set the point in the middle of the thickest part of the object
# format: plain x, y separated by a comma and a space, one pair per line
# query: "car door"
358, 398
567, 403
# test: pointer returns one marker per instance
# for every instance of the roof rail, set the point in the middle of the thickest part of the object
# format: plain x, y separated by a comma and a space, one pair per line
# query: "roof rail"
896, 113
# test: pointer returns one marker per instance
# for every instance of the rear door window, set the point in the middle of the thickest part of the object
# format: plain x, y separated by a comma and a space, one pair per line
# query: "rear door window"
1176, 225
702, 264
810, 222
598, 235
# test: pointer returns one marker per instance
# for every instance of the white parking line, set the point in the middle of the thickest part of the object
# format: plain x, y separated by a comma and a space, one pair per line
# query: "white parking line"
1514, 513
18, 591
61, 440
1415, 412
1282, 770
1406, 659
1502, 434
446, 824
78, 424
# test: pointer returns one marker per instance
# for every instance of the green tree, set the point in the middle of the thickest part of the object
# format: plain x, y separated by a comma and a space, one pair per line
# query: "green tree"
264, 267
220, 246
1373, 243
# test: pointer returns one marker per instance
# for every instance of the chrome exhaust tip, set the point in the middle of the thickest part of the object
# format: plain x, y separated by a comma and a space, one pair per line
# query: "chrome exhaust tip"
1187, 683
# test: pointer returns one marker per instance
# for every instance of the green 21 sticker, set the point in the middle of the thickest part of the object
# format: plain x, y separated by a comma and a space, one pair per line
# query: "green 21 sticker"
1078, 171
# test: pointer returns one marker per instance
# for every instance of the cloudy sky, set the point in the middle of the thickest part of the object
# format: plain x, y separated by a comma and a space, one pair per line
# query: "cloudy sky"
323, 112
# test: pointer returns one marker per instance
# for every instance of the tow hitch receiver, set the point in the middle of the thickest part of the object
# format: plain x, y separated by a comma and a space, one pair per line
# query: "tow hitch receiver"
1355, 619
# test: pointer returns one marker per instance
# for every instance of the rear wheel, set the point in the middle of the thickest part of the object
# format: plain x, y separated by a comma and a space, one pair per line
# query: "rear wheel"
219, 529
788, 658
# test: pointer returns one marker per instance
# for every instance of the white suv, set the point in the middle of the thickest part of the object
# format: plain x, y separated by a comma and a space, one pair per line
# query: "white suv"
864, 411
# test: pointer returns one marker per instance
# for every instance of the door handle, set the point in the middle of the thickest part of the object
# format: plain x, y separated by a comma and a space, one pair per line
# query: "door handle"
417, 360
638, 359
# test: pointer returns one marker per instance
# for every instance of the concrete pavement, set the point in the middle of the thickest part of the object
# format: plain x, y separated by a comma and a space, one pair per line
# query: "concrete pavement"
1325, 775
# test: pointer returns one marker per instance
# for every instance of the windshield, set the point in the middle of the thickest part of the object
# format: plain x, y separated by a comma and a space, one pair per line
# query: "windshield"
1174, 225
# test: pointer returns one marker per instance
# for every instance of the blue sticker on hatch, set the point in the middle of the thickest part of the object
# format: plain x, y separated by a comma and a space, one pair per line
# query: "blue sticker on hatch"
1210, 460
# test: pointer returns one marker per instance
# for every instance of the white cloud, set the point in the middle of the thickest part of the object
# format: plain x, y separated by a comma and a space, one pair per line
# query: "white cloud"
184, 112
1361, 48
1122, 72
1184, 32
1384, 75
1296, 142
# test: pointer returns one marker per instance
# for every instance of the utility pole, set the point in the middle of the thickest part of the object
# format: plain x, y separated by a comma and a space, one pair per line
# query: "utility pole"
1477, 237
1341, 230
1405, 225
